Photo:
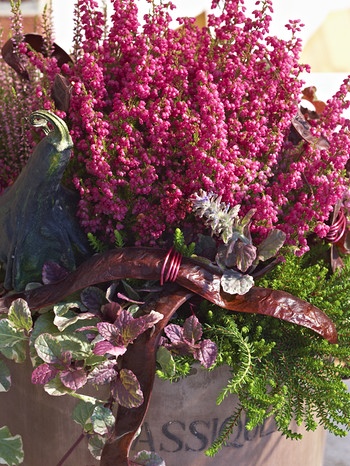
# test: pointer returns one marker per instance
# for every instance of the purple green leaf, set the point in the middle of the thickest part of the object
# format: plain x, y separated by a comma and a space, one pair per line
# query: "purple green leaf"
174, 332
127, 390
206, 353
131, 327
73, 378
93, 298
109, 332
239, 253
110, 311
103, 347
192, 329
53, 273
44, 373
104, 373
124, 319
245, 255
271, 244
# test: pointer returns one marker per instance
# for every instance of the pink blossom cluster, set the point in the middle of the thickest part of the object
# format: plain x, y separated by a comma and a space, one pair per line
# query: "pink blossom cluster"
157, 114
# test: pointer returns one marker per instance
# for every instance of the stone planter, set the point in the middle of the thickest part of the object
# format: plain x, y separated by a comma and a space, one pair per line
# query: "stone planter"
43, 421
183, 420
181, 423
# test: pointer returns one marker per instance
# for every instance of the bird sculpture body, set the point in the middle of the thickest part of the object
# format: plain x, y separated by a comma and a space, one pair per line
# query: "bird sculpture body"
37, 214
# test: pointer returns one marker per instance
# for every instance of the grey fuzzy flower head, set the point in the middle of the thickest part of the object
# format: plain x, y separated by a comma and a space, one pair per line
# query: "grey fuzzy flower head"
220, 217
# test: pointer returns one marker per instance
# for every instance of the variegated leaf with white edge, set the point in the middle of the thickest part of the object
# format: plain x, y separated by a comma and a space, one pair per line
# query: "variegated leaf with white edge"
233, 282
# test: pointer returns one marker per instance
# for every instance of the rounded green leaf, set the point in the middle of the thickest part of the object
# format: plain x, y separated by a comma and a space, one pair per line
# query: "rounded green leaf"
166, 361
11, 448
20, 316
56, 388
13, 342
82, 413
102, 420
5, 377
48, 348
9, 335
95, 445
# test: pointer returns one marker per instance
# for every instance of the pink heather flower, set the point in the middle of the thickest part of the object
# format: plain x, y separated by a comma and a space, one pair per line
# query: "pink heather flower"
158, 114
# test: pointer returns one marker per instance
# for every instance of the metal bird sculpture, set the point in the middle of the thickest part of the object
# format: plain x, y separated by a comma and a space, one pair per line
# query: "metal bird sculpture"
37, 214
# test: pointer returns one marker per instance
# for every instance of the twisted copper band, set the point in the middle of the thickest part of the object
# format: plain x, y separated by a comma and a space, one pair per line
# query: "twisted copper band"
337, 230
169, 272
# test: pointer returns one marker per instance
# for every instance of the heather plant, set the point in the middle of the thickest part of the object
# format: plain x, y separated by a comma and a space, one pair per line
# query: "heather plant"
191, 141
157, 114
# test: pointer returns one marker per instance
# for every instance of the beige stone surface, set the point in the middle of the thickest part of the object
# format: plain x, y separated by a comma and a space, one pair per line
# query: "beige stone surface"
337, 451
179, 430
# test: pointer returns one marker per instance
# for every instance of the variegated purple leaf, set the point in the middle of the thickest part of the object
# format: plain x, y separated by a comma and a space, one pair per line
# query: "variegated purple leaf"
127, 390
124, 318
53, 273
109, 332
111, 292
240, 254
135, 326
103, 373
110, 311
174, 332
206, 353
192, 329
181, 347
151, 318
66, 358
93, 298
43, 374
179, 344
73, 379
103, 347
246, 255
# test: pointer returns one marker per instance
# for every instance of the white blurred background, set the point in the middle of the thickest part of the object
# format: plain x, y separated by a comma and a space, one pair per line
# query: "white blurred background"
325, 36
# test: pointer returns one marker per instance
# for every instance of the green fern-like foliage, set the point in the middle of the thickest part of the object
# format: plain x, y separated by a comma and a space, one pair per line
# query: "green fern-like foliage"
95, 243
119, 239
100, 246
180, 245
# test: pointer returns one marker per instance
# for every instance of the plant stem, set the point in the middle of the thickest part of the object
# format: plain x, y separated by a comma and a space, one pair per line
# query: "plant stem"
70, 451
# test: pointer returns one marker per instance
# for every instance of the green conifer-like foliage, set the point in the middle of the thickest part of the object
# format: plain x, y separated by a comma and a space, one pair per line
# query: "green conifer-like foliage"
280, 369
